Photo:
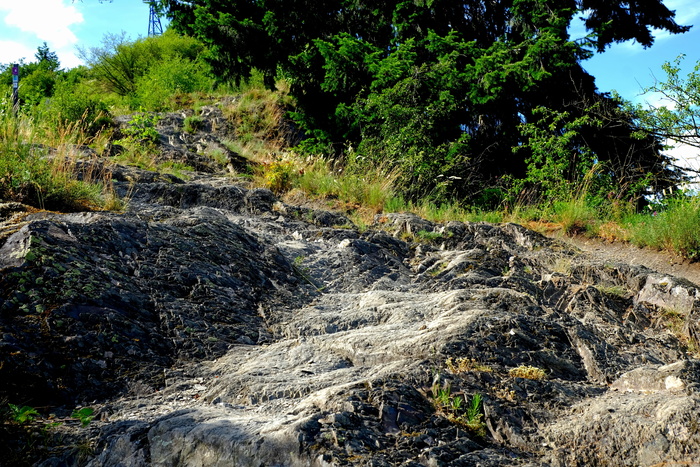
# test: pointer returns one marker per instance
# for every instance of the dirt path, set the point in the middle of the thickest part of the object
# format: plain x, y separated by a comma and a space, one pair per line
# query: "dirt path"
624, 252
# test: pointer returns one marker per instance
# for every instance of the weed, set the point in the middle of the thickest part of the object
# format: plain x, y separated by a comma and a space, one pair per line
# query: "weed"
303, 272
193, 124
142, 129
472, 418
575, 216
56, 179
562, 265
424, 235
453, 408
24, 414
527, 372
437, 269
464, 365
279, 175
676, 229
85, 415
616, 291
675, 321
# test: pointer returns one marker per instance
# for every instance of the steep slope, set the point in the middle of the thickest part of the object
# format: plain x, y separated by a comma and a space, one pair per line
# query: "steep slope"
212, 324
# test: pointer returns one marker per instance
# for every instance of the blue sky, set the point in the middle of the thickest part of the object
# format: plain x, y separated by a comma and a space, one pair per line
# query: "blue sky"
629, 67
65, 25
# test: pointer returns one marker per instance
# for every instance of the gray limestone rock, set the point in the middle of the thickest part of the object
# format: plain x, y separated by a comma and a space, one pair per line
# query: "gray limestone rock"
211, 324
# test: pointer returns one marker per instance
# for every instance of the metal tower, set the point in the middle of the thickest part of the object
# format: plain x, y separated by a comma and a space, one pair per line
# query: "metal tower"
154, 26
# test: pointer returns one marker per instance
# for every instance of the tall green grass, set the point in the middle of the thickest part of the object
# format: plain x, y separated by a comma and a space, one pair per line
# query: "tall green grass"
54, 179
676, 228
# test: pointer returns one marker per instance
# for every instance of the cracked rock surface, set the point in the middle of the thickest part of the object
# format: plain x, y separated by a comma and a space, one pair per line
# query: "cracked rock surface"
213, 325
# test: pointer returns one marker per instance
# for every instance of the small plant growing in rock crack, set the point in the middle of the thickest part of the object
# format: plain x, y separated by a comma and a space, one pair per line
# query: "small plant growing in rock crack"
674, 320
303, 272
141, 129
85, 415
527, 372
616, 291
424, 235
473, 418
24, 414
193, 124
464, 365
453, 408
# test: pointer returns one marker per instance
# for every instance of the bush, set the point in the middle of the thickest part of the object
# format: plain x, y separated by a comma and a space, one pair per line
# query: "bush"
148, 72
156, 89
72, 107
28, 174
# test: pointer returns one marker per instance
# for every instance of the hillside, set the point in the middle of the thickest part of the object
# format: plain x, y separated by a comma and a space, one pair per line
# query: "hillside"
210, 323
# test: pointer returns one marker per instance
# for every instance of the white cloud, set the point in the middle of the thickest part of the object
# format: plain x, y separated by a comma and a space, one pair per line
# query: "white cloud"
68, 58
49, 20
687, 11
12, 52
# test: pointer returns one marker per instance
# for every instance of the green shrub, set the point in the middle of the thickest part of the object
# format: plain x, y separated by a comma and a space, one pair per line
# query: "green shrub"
118, 64
142, 129
155, 89
73, 108
23, 414
29, 175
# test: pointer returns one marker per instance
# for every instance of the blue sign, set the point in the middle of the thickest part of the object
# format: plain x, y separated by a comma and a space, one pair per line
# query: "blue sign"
15, 70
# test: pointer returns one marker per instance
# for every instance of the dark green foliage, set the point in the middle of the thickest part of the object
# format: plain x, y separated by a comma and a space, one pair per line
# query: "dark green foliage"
438, 89
47, 58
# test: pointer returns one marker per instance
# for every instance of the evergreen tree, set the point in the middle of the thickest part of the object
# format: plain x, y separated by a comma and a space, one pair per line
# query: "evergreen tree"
47, 58
440, 89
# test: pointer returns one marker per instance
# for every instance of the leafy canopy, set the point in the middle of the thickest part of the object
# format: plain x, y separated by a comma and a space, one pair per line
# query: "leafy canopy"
439, 89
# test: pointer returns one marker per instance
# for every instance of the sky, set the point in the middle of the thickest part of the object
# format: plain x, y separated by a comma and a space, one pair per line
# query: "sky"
629, 67
66, 25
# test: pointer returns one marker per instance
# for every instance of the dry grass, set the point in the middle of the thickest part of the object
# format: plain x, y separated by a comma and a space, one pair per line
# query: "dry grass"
464, 365
61, 179
527, 372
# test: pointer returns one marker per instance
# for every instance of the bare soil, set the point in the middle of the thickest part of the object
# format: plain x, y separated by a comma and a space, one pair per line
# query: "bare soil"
623, 252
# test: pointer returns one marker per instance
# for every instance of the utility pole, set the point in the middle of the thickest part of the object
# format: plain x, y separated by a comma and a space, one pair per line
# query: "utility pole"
15, 87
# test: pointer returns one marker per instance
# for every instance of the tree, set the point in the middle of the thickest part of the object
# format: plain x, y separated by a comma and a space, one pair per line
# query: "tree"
37, 79
148, 69
678, 120
47, 58
437, 88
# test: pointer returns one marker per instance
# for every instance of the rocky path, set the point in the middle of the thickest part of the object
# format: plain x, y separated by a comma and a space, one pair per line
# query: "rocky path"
660, 261
213, 325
